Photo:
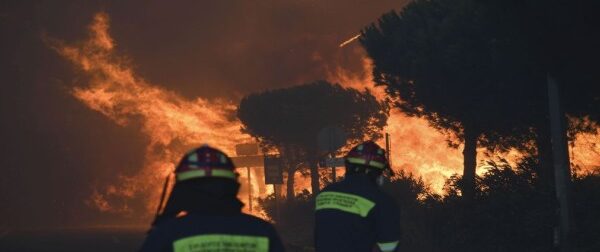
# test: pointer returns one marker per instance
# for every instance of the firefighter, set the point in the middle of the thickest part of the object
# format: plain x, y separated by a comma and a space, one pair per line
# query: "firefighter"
203, 212
354, 214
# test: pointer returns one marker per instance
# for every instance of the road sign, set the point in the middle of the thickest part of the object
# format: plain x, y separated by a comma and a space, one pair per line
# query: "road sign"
330, 139
273, 170
246, 149
248, 161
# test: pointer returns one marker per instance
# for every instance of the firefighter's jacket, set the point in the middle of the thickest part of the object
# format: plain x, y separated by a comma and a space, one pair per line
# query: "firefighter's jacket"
213, 233
355, 215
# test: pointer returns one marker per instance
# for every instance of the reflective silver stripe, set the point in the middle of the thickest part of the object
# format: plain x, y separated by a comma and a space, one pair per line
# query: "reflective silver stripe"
387, 246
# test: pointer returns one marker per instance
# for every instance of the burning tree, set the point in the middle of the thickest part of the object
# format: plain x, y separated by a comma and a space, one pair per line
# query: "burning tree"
289, 119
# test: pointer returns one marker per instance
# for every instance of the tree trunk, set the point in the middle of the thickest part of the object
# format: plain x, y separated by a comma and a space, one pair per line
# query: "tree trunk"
287, 154
290, 183
470, 163
314, 178
314, 175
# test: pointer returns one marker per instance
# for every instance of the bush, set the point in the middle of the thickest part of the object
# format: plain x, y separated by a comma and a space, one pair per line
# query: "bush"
415, 201
510, 212
586, 194
295, 222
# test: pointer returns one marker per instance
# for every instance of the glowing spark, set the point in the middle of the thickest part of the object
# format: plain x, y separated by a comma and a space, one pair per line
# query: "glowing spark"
349, 40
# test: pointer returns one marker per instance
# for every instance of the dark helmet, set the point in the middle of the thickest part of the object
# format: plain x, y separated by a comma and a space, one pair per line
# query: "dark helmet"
368, 155
202, 174
205, 162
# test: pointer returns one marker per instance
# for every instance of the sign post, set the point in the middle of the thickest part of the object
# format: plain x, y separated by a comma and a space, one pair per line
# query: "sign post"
274, 176
273, 171
248, 157
247, 151
329, 140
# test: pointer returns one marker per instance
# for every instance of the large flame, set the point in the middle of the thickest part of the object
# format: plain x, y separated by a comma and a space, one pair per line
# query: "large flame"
172, 123
585, 153
418, 148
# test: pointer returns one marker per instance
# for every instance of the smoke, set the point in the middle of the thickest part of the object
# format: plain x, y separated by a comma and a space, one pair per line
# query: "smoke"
267, 45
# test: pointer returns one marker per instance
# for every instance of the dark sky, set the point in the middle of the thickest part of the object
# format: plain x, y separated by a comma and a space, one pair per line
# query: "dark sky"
55, 149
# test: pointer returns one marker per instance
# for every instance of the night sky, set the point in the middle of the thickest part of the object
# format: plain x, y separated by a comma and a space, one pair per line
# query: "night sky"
55, 149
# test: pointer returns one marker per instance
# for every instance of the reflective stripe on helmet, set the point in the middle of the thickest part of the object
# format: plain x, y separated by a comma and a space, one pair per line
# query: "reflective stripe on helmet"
361, 161
344, 202
387, 246
202, 173
222, 242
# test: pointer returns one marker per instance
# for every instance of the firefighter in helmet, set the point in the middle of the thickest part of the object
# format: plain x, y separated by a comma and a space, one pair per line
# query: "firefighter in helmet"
354, 214
203, 212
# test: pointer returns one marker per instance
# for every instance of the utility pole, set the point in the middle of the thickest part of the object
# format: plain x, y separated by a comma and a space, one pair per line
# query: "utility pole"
562, 169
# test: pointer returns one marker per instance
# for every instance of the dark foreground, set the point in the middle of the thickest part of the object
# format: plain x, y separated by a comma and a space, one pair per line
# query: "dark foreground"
88, 239
96, 240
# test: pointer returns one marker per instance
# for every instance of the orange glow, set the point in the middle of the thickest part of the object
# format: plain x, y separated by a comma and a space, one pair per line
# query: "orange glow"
415, 146
418, 148
172, 123
585, 153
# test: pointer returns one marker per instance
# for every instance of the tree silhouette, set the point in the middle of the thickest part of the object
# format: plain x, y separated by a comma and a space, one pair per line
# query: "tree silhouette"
289, 119
555, 38
439, 63
478, 69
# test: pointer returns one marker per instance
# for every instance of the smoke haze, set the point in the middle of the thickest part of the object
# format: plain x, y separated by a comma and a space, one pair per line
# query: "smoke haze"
55, 151
76, 135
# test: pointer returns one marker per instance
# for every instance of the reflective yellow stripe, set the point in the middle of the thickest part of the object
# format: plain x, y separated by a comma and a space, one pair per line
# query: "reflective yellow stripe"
202, 173
344, 202
364, 162
387, 246
222, 242
356, 160
377, 164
